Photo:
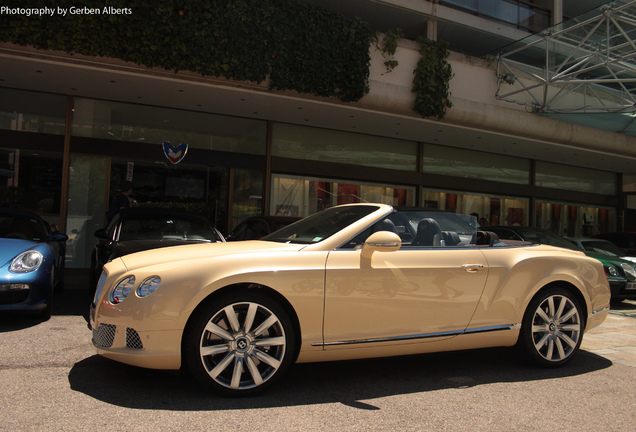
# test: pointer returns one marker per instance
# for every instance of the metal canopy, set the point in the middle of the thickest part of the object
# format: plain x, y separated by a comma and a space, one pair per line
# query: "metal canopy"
584, 66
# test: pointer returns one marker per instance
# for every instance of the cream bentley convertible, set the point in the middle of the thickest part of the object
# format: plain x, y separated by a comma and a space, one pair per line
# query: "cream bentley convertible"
350, 282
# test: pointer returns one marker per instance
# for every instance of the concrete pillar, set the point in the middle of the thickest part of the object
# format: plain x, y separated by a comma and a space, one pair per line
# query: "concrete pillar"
431, 30
557, 12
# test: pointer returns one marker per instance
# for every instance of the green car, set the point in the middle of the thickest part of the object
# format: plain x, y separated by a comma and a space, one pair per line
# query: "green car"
619, 268
620, 272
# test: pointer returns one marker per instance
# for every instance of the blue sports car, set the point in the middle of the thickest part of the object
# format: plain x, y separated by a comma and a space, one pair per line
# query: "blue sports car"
31, 263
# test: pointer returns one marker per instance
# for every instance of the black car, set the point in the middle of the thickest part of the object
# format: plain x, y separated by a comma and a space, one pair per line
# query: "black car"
138, 229
256, 227
26, 225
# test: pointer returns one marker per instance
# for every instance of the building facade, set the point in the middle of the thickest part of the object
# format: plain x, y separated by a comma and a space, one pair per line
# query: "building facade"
73, 127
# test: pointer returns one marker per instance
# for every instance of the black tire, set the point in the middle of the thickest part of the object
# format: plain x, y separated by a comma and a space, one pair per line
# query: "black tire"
552, 327
46, 314
239, 344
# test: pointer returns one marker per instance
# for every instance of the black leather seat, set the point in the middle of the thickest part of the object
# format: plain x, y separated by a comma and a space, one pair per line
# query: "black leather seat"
486, 238
451, 238
429, 233
384, 225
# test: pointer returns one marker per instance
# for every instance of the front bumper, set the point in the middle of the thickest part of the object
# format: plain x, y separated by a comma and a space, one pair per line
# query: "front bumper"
623, 290
117, 339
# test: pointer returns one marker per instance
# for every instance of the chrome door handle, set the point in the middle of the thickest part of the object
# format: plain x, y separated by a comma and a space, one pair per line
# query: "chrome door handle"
472, 268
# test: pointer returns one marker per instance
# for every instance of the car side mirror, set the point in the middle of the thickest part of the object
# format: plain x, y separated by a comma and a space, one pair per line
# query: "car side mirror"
381, 241
101, 234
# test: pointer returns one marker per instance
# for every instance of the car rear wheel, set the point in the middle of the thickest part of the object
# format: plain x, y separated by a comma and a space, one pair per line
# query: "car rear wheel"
240, 344
552, 328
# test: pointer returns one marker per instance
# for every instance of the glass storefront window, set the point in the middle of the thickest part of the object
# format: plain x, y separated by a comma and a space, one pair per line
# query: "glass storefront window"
489, 209
575, 179
571, 220
128, 122
301, 142
32, 112
302, 196
247, 195
31, 180
197, 189
463, 163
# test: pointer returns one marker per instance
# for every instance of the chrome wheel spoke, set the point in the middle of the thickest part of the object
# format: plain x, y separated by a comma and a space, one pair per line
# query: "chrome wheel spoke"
254, 372
232, 318
270, 342
249, 318
560, 349
214, 349
219, 331
270, 321
219, 368
267, 359
567, 340
238, 372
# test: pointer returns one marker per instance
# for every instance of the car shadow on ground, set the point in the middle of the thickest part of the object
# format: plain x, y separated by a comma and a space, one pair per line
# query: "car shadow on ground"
345, 382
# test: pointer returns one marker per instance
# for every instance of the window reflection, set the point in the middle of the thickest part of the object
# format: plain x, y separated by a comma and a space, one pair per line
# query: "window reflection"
575, 220
488, 209
302, 196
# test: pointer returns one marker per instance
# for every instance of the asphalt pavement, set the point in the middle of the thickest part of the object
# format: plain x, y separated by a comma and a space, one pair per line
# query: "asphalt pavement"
52, 380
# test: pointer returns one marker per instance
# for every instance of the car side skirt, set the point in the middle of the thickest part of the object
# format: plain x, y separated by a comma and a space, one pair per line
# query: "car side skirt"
422, 336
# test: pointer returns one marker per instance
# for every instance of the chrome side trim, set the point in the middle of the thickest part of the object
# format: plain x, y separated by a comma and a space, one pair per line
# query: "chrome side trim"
450, 333
591, 314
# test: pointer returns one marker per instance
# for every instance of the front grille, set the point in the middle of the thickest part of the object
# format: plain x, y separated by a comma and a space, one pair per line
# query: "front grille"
133, 340
9, 295
104, 335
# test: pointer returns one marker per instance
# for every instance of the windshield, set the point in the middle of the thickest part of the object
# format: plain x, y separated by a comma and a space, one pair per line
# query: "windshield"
166, 227
21, 227
602, 247
320, 226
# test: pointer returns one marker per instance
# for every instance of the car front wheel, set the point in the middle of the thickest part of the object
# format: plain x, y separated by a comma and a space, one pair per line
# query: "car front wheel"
240, 344
552, 328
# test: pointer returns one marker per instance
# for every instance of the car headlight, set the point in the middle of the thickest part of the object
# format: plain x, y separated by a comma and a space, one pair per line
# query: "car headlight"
611, 270
148, 286
629, 271
122, 289
26, 262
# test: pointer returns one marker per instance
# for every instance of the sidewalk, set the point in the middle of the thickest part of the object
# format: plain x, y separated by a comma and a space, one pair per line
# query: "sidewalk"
615, 339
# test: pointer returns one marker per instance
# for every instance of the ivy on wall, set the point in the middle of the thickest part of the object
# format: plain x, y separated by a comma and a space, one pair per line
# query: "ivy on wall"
299, 46
431, 83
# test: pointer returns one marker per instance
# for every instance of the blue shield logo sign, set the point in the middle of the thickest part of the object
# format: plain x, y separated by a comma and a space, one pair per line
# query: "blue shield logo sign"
175, 154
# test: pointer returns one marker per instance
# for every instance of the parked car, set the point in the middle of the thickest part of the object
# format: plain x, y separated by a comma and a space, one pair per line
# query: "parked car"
350, 282
624, 240
620, 273
139, 228
602, 247
256, 227
32, 263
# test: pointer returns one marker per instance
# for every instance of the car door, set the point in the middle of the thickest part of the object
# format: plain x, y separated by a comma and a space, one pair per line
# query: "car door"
413, 293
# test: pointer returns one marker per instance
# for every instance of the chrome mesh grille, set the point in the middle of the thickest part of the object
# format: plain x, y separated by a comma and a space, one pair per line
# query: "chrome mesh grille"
133, 340
104, 335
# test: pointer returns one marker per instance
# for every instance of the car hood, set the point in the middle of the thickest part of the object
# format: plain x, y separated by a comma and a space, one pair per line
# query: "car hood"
9, 248
206, 250
133, 246
608, 259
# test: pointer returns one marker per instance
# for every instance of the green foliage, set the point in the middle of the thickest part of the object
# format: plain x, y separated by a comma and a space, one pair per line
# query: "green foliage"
389, 47
299, 46
432, 79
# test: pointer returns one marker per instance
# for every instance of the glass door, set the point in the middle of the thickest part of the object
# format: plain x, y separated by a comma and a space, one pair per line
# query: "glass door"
88, 177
